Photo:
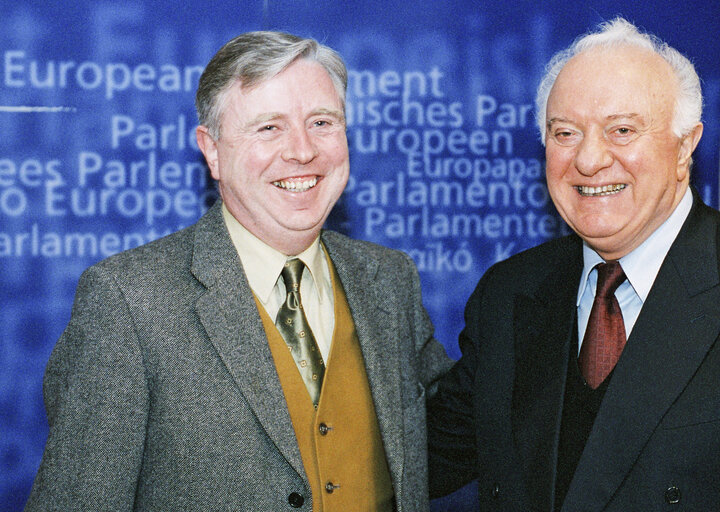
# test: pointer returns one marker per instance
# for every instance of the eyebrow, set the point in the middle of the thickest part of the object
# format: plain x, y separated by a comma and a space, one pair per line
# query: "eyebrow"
629, 115
557, 120
329, 112
612, 117
263, 118
273, 116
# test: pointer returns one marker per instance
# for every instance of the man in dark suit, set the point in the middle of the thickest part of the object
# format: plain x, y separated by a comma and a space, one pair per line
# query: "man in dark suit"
590, 374
251, 361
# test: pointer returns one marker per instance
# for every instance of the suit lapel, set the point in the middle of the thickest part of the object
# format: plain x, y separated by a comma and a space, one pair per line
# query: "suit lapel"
229, 315
544, 326
376, 335
678, 324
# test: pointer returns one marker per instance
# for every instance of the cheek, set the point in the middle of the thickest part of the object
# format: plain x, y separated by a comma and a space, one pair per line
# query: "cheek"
649, 159
558, 160
340, 156
334, 164
555, 169
335, 148
633, 161
249, 166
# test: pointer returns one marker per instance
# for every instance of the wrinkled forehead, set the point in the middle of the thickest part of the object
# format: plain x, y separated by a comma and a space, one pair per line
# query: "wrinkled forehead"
616, 77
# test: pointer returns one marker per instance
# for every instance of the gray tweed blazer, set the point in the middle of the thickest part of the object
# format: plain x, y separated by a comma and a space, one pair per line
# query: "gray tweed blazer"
162, 393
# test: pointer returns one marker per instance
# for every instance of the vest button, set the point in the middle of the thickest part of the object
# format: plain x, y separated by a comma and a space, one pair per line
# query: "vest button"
495, 491
672, 495
296, 500
324, 429
330, 487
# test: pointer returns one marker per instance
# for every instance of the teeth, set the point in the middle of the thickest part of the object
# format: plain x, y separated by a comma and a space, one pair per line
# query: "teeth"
605, 190
296, 186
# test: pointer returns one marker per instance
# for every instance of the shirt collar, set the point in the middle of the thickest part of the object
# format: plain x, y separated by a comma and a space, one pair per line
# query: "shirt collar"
263, 264
642, 264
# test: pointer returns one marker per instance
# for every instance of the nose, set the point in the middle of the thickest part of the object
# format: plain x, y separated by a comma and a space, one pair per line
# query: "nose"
300, 147
592, 155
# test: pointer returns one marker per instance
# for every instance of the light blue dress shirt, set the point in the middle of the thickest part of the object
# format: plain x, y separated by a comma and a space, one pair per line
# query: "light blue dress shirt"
641, 267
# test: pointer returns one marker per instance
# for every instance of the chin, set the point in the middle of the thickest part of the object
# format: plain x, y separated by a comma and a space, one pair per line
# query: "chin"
596, 237
599, 225
304, 224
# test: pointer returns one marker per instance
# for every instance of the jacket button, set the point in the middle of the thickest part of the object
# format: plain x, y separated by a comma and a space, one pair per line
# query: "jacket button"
330, 487
296, 500
324, 429
495, 491
672, 495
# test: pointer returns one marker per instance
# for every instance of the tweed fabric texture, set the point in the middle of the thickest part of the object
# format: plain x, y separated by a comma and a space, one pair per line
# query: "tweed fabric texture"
161, 394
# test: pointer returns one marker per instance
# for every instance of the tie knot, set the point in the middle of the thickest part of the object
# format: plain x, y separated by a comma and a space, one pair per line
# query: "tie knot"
292, 273
610, 276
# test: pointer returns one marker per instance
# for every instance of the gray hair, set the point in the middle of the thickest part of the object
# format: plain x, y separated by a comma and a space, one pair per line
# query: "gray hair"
253, 58
620, 32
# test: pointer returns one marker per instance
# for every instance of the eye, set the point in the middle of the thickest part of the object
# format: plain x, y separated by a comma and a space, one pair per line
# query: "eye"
323, 123
622, 134
566, 137
268, 131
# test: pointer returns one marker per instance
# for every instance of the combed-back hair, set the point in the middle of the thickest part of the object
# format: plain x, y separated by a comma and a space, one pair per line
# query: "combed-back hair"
253, 58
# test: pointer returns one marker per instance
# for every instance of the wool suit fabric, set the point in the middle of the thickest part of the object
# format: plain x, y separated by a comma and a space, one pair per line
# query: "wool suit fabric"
656, 437
162, 393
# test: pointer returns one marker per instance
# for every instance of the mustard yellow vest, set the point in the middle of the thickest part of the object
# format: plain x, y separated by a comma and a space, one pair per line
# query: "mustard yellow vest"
340, 442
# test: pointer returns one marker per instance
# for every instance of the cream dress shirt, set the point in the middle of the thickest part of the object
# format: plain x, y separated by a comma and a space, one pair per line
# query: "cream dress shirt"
263, 264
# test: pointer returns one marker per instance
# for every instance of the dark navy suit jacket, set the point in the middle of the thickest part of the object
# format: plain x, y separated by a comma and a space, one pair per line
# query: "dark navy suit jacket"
655, 443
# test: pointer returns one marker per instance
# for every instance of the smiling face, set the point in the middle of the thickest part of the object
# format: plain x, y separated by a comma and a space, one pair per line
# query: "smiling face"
615, 170
282, 157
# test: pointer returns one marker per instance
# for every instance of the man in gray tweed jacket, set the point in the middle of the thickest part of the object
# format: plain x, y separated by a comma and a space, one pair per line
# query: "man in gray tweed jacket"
163, 393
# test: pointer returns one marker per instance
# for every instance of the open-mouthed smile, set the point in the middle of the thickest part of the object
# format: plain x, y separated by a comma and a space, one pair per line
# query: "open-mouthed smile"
605, 190
296, 185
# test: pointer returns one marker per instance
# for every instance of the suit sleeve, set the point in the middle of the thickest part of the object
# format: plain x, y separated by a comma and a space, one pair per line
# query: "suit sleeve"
452, 449
434, 361
96, 398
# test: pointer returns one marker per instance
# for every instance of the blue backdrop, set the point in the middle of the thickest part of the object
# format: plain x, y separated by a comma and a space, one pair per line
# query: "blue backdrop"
98, 154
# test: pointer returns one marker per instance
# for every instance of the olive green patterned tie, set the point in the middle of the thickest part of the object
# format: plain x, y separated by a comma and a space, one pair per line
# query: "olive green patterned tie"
295, 329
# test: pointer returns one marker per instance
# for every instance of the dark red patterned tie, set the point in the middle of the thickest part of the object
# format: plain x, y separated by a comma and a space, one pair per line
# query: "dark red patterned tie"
605, 333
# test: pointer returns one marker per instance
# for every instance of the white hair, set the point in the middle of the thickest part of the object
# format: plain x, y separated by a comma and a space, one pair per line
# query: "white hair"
620, 32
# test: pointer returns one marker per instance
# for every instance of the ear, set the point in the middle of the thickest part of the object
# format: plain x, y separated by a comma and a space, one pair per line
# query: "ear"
208, 146
687, 146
